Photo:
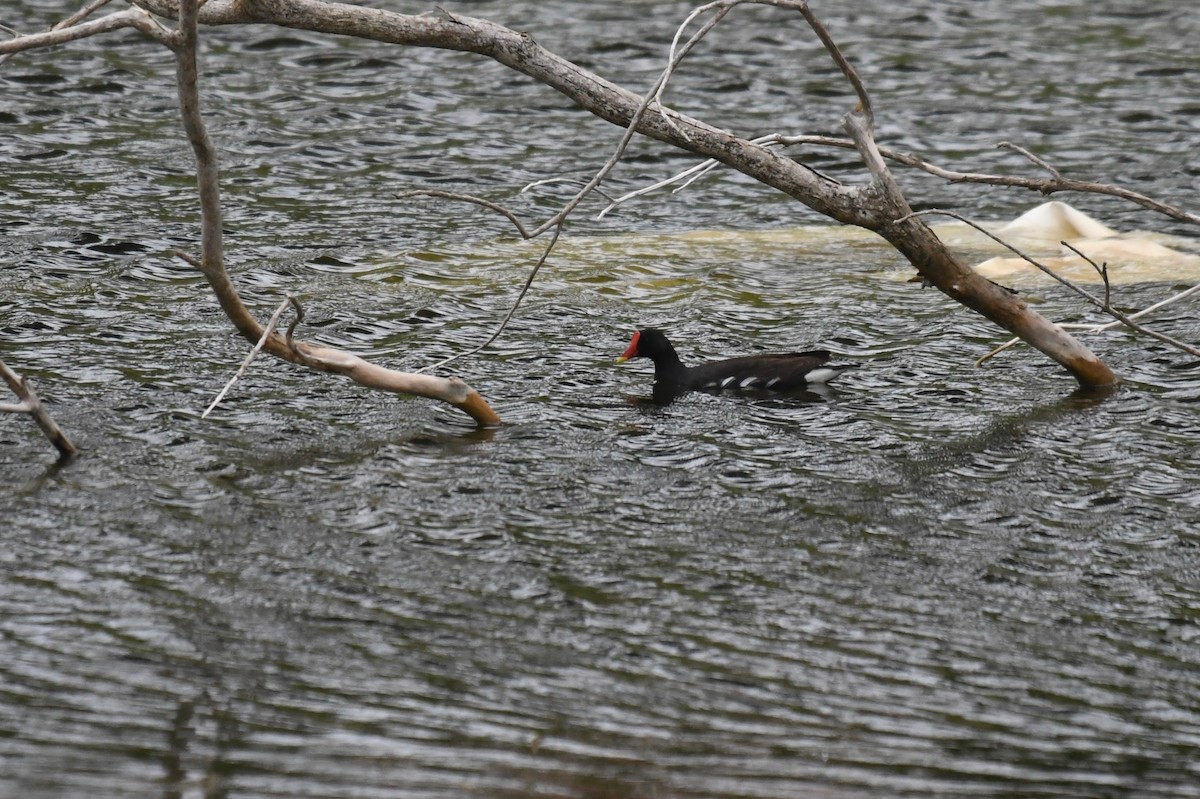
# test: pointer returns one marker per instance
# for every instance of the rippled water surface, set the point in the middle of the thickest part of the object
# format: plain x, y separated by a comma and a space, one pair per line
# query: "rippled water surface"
935, 580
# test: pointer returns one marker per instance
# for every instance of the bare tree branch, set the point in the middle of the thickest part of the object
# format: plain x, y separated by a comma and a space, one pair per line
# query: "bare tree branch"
864, 99
470, 198
82, 13
1016, 148
78, 16
879, 205
693, 173
1101, 270
1091, 328
32, 405
211, 261
129, 18
1103, 304
547, 181
211, 264
677, 53
1046, 186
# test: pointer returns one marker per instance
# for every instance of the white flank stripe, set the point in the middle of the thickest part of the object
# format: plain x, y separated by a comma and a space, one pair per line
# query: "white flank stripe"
725, 383
772, 381
749, 381
822, 375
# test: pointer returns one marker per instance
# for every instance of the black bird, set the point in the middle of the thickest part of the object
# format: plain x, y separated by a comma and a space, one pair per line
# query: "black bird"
781, 371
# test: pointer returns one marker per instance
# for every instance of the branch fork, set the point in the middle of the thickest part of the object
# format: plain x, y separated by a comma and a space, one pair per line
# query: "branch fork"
32, 404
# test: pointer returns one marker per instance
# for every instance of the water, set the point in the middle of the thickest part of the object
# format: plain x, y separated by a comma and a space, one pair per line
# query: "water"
935, 580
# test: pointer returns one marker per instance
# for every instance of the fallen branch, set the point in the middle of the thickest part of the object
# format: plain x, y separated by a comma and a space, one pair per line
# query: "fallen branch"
133, 17
212, 265
875, 205
211, 262
31, 404
1103, 304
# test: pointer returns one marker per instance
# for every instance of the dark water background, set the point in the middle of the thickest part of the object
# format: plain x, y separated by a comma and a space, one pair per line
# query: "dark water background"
936, 581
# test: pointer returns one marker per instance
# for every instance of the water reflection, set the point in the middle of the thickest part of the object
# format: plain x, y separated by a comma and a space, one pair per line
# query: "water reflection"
662, 394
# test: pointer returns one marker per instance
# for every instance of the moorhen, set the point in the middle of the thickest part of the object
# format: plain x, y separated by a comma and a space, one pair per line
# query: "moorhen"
772, 371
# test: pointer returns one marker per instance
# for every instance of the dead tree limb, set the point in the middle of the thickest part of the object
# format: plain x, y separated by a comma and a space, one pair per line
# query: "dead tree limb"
133, 17
212, 264
1046, 186
1090, 328
1104, 304
32, 404
877, 206
212, 261
267, 331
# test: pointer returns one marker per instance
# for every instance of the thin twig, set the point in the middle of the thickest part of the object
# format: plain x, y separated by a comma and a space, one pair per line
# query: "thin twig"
512, 309
1016, 148
1045, 186
470, 198
187, 258
1094, 328
289, 336
547, 181
1174, 298
697, 176
267, 331
1092, 298
1101, 269
133, 17
693, 173
299, 309
1012, 342
835, 52
81, 14
677, 54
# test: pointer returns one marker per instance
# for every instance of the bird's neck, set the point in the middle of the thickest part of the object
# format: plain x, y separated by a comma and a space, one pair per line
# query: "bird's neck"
667, 366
